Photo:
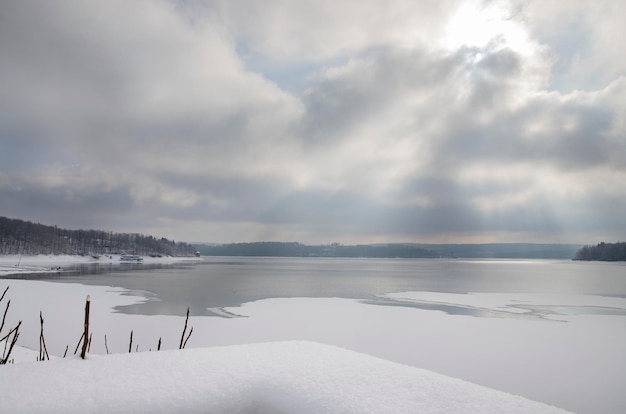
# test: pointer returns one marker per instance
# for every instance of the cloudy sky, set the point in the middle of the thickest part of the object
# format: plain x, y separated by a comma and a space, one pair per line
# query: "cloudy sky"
317, 120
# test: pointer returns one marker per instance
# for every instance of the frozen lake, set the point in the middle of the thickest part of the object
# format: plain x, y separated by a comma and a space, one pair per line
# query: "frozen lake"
552, 331
232, 281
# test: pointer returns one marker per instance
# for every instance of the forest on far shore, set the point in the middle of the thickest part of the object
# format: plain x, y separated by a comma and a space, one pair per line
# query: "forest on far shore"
606, 252
25, 237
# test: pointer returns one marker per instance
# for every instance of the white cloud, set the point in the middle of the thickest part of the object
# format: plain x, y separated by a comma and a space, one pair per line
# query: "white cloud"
584, 39
320, 30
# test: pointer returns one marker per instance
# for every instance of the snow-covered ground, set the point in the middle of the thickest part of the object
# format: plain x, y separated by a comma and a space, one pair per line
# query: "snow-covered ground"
573, 360
281, 377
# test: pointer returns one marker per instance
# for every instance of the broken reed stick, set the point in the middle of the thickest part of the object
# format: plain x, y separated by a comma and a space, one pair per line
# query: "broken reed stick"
10, 332
182, 337
5, 309
40, 357
86, 332
16, 334
66, 348
106, 346
15, 331
130, 345
5, 314
43, 350
78, 344
185, 343
13, 342
159, 346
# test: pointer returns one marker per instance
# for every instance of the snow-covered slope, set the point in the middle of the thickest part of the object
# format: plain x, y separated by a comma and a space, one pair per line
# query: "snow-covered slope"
281, 377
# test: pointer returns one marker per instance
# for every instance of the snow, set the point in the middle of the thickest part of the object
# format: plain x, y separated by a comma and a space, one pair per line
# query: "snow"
281, 377
516, 303
571, 360
16, 264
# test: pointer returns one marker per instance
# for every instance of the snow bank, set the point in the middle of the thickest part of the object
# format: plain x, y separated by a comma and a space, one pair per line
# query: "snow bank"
282, 377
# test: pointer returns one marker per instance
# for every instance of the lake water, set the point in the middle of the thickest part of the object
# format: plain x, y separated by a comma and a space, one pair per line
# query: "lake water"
549, 330
230, 281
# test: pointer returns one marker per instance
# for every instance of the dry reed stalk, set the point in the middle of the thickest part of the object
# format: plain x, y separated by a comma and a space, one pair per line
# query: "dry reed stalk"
5, 314
86, 332
43, 350
182, 337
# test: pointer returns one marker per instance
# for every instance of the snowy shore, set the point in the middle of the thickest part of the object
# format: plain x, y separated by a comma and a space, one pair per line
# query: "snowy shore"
24, 264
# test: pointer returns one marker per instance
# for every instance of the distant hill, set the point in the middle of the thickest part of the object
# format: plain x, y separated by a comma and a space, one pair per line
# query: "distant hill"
25, 237
606, 252
280, 249
494, 250
506, 250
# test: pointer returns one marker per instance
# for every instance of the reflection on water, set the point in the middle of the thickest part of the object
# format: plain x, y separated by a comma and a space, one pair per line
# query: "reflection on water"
79, 270
219, 282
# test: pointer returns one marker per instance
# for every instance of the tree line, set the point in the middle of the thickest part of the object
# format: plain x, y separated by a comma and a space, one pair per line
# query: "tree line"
25, 237
607, 252
294, 249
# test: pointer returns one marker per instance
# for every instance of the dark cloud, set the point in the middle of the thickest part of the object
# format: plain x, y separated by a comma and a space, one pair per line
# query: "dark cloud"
67, 207
366, 89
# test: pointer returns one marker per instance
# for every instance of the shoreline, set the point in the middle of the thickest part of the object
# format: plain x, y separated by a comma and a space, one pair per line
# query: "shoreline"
14, 264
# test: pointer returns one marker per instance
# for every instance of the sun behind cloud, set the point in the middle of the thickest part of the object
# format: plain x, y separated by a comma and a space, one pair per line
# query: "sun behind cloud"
479, 24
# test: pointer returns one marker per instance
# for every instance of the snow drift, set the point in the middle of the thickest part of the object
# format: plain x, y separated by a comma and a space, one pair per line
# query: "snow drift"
281, 377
